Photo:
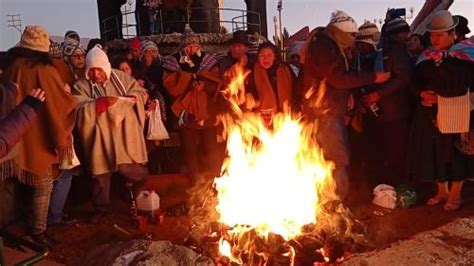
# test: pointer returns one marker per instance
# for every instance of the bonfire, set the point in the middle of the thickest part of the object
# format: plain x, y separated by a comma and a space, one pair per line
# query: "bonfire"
275, 197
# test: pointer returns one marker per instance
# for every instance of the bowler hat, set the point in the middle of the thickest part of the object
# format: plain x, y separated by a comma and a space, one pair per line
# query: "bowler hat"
442, 21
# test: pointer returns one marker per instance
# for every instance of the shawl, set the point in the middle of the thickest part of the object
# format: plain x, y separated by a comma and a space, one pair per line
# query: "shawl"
114, 135
463, 50
50, 136
201, 104
266, 94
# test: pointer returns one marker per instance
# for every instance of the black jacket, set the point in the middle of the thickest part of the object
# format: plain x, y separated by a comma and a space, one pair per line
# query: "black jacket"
394, 94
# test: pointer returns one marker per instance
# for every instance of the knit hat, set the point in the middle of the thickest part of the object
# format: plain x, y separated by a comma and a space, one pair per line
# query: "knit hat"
71, 47
442, 21
343, 21
189, 37
397, 25
146, 45
135, 43
240, 36
55, 49
368, 33
96, 57
72, 35
36, 38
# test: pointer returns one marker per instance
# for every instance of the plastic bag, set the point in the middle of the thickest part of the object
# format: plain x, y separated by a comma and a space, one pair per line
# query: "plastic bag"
406, 196
156, 128
385, 196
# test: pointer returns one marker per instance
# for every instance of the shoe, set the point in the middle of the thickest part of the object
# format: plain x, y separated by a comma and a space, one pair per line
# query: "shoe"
436, 200
452, 206
42, 241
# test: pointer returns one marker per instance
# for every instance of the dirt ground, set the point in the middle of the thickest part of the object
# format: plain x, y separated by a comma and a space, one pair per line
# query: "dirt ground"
73, 241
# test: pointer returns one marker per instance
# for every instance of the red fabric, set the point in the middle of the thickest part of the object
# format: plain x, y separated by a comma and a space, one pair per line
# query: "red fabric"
103, 103
135, 43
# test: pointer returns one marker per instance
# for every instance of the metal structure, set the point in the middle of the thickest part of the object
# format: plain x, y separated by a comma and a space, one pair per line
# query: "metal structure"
238, 21
14, 21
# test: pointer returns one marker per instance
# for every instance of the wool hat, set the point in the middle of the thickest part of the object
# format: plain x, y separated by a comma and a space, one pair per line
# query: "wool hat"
240, 36
442, 21
71, 47
96, 57
397, 25
147, 45
462, 27
343, 21
135, 43
368, 33
72, 35
189, 37
55, 49
36, 38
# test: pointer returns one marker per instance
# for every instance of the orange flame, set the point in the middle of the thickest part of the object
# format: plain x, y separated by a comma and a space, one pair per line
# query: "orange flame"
274, 178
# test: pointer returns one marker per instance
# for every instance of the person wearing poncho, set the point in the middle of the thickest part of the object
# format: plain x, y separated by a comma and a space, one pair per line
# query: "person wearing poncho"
443, 76
50, 138
191, 78
110, 124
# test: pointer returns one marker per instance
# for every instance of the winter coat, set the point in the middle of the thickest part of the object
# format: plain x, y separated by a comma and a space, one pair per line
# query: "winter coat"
15, 124
394, 94
325, 62
50, 136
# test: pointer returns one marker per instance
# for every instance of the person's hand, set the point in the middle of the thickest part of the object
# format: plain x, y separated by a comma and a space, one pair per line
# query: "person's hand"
141, 82
371, 98
151, 105
38, 94
67, 88
381, 77
428, 98
198, 85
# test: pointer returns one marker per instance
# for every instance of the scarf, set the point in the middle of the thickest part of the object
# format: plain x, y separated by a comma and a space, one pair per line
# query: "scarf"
344, 41
266, 92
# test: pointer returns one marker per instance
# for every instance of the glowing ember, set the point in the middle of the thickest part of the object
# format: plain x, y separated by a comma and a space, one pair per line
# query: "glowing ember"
273, 179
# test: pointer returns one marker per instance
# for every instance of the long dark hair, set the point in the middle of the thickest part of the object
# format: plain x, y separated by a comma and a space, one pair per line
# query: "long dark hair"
36, 57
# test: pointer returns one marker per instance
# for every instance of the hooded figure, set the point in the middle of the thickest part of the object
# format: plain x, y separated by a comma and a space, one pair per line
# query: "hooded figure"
110, 124
50, 137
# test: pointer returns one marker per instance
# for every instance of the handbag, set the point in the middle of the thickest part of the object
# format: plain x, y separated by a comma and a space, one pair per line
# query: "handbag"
156, 128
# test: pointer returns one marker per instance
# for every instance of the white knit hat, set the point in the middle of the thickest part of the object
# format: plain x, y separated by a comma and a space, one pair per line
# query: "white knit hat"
96, 57
343, 21
36, 38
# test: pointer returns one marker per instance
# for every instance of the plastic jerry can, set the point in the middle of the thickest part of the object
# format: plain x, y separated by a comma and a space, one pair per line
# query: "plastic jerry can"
148, 203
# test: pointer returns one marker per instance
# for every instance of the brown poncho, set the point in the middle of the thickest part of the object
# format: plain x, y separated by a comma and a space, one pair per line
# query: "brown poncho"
50, 136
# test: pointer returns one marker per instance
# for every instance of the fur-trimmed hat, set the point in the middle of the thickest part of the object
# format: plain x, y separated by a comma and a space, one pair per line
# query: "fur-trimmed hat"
96, 57
36, 38
343, 21
189, 37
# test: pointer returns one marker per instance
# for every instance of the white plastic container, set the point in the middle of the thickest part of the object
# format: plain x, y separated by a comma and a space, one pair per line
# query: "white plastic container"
148, 203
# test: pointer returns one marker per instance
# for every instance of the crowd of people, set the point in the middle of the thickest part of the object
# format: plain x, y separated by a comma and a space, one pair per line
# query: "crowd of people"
391, 107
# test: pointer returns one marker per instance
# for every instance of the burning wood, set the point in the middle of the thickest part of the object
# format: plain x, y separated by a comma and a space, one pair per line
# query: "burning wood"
274, 203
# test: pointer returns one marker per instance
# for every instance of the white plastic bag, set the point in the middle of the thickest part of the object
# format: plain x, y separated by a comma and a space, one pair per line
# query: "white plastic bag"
156, 128
385, 196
